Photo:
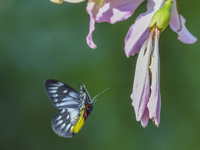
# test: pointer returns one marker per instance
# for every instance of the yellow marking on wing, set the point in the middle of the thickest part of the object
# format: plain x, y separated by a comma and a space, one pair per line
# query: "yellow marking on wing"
79, 123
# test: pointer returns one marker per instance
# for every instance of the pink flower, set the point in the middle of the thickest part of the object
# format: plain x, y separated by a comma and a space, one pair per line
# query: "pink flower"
146, 88
113, 11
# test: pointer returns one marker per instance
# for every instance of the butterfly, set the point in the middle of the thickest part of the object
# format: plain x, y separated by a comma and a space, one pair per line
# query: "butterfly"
74, 107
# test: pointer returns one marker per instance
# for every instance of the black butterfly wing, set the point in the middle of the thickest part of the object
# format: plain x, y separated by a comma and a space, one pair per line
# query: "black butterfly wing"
68, 101
62, 96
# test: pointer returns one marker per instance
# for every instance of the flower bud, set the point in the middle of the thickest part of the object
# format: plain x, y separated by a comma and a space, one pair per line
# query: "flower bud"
162, 17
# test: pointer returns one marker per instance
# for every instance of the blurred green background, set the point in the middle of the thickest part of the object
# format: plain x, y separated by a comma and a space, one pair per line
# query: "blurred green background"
40, 40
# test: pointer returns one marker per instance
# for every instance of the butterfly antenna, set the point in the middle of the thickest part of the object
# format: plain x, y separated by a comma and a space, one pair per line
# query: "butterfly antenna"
99, 94
86, 91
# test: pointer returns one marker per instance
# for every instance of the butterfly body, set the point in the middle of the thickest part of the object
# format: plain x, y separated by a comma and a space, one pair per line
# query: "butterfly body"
84, 113
74, 107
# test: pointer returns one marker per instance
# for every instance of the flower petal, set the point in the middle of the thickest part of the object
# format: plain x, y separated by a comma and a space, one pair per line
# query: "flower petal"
74, 1
139, 31
92, 9
145, 118
141, 86
183, 35
89, 39
157, 119
117, 10
154, 103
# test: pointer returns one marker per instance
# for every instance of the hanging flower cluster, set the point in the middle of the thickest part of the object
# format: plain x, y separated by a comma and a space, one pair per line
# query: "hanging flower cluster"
143, 38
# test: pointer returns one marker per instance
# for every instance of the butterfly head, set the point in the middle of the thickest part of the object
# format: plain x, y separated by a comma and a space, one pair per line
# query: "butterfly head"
90, 108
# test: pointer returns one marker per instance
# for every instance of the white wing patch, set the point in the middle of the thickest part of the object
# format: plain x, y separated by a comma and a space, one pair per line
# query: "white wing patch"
65, 91
53, 88
58, 84
67, 99
72, 94
68, 103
